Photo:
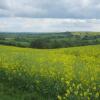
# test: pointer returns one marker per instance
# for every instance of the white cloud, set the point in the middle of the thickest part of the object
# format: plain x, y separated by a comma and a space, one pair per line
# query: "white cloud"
53, 15
51, 8
48, 24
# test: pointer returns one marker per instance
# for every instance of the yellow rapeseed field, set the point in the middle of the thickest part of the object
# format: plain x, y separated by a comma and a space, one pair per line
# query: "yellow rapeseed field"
50, 74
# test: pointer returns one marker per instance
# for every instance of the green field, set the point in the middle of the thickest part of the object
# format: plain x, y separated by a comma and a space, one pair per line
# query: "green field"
50, 74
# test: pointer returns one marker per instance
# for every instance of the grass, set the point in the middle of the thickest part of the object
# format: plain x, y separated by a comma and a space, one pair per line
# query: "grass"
58, 74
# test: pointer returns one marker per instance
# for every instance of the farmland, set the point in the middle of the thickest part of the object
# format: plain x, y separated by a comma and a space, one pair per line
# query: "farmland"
50, 74
50, 40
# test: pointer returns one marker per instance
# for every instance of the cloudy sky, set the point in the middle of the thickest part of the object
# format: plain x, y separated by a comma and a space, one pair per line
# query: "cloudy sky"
49, 15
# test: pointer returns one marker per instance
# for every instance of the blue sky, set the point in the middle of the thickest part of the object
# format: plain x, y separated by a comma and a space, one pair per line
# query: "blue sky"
49, 15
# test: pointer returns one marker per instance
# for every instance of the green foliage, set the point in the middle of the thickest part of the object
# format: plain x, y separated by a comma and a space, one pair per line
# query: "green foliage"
50, 40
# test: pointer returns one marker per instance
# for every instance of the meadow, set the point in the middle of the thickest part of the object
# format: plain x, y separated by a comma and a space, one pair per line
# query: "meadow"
50, 74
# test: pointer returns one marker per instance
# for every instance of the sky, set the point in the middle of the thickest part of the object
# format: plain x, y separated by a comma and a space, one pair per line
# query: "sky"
49, 15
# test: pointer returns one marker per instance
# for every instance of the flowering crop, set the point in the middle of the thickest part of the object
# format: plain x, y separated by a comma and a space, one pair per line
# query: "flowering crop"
59, 74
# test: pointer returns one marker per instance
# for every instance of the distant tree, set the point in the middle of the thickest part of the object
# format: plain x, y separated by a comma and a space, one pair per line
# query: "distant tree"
2, 38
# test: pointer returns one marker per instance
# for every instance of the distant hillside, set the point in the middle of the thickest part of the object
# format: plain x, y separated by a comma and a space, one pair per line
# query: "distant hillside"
50, 40
86, 33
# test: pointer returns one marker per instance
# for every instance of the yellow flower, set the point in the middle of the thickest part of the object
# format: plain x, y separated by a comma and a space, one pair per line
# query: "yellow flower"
81, 94
62, 79
92, 78
67, 82
85, 93
97, 95
73, 85
88, 98
68, 92
66, 95
76, 92
94, 88
70, 88
59, 97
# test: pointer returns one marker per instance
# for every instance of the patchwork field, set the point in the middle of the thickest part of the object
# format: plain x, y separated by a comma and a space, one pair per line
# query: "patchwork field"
50, 74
